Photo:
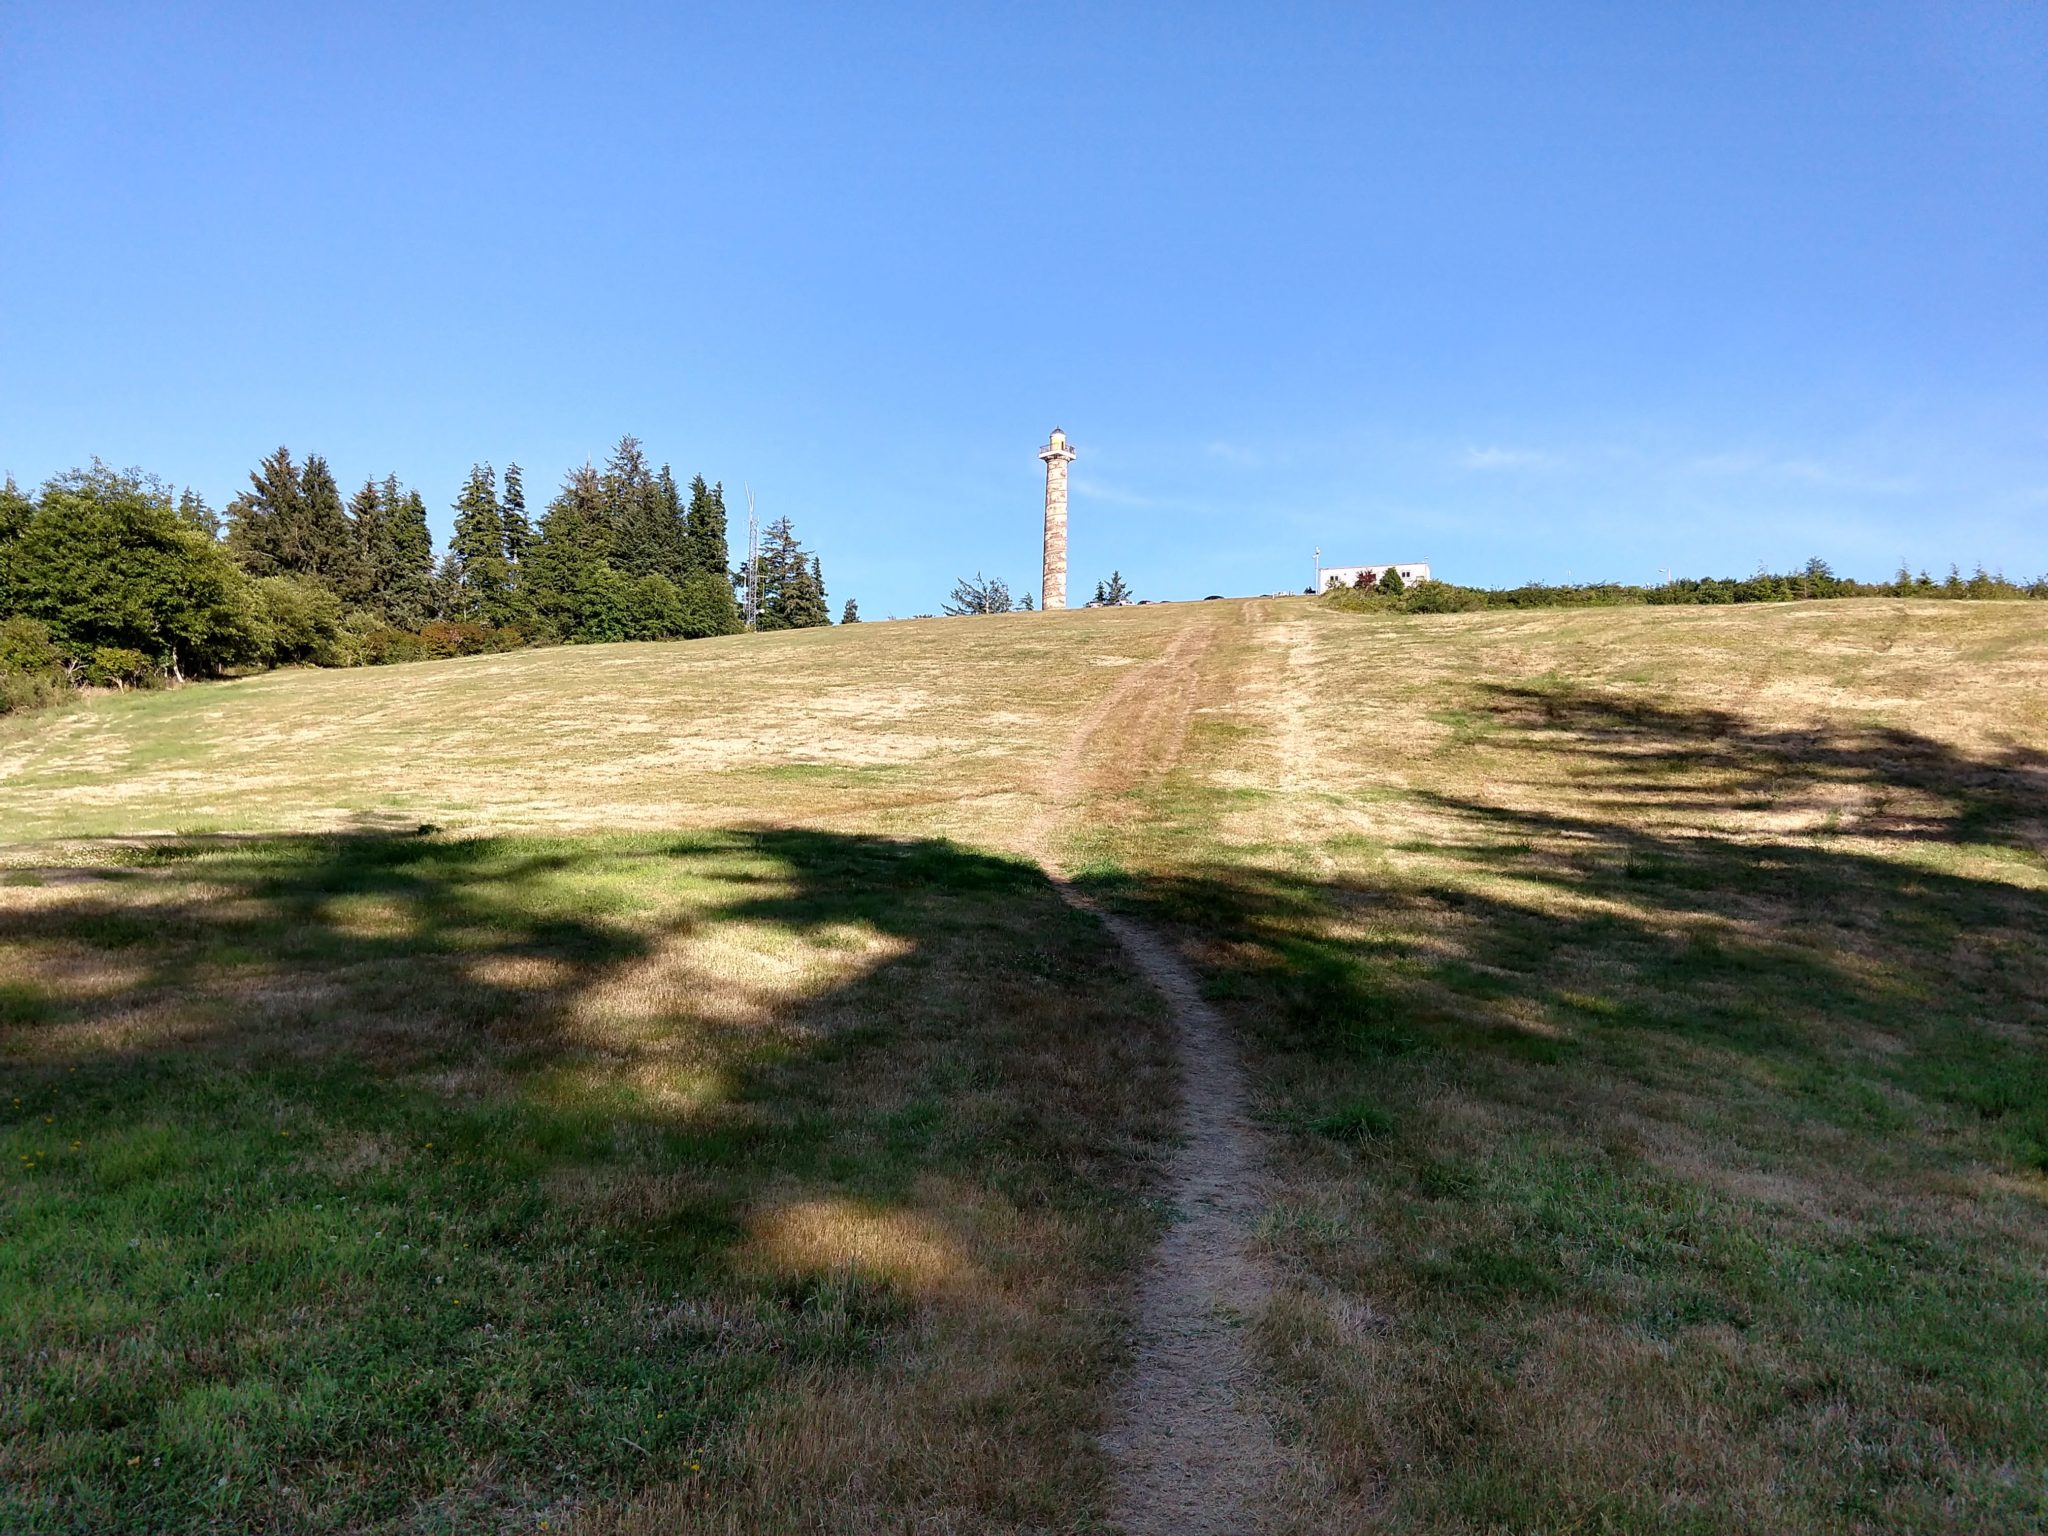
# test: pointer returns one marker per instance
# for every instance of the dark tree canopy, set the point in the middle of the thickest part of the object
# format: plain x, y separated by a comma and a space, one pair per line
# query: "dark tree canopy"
706, 520
105, 561
480, 584
123, 581
518, 531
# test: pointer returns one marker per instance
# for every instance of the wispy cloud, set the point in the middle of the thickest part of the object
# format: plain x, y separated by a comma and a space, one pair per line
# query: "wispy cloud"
1510, 458
1804, 471
1095, 490
1235, 453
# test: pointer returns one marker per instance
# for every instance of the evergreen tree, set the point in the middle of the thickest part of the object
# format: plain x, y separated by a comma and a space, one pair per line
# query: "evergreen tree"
480, 588
648, 536
1025, 603
15, 511
370, 521
193, 509
576, 595
1112, 593
290, 522
816, 593
518, 531
1390, 583
981, 595
326, 546
792, 584
405, 580
850, 614
706, 525
264, 521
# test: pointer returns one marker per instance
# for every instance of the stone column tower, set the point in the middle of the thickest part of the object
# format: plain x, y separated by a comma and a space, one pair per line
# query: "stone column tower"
1057, 455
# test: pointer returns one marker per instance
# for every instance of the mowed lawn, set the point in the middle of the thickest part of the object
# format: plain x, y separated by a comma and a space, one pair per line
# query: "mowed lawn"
1651, 1008
646, 1087
727, 1182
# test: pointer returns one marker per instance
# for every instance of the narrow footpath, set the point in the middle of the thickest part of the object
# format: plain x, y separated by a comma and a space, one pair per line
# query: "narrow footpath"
1194, 1453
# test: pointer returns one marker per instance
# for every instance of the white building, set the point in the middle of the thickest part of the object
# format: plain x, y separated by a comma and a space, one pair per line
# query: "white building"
1411, 571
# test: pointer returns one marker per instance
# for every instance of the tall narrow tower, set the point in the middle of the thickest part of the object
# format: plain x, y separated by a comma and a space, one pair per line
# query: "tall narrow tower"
1057, 455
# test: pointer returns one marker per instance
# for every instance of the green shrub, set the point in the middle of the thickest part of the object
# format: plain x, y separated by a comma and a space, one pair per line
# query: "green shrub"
654, 609
119, 666
1441, 597
709, 609
297, 620
23, 691
25, 647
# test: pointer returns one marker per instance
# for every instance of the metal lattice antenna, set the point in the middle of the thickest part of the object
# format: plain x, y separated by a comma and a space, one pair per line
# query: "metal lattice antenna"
753, 563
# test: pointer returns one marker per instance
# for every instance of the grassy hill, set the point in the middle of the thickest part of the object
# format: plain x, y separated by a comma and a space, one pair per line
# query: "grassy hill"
659, 1087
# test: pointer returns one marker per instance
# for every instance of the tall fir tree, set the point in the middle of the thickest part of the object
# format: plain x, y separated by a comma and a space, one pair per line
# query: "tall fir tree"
371, 523
706, 526
263, 521
394, 554
326, 548
792, 582
568, 576
518, 531
406, 577
815, 594
193, 509
675, 527
647, 524
478, 577
291, 522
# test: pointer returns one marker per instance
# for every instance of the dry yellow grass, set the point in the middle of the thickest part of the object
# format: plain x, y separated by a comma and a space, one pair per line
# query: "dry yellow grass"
1645, 1006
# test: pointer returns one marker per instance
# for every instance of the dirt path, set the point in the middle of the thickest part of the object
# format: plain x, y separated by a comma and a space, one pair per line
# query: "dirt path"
1194, 1453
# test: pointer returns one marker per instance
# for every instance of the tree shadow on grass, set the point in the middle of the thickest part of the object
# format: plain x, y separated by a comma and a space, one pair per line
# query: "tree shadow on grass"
390, 1182
1605, 1096
376, 1181
1640, 756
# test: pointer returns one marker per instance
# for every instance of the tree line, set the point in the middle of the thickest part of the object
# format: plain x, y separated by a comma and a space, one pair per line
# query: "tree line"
108, 577
1816, 580
978, 594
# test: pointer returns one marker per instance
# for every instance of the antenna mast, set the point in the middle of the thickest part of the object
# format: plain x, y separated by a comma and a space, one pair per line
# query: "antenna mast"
753, 562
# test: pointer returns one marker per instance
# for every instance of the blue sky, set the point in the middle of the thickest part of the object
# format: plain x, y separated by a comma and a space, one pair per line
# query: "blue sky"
1530, 292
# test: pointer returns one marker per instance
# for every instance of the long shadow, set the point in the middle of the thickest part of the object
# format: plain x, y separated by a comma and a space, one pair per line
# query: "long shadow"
352, 1177
358, 1176
1641, 754
1621, 912
1763, 1113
